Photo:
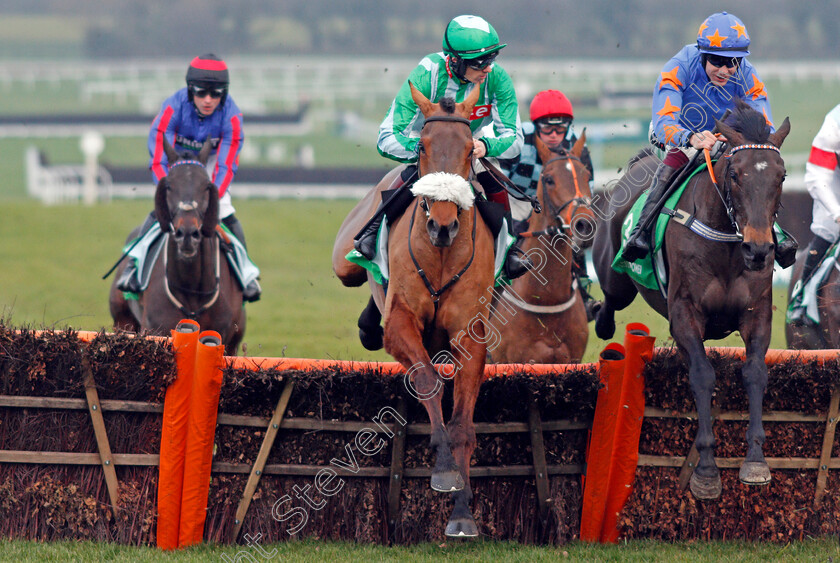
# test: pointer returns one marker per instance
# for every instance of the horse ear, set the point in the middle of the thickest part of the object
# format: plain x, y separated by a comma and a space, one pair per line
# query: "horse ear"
204, 153
778, 137
171, 155
542, 149
466, 107
577, 150
732, 136
211, 216
162, 206
426, 107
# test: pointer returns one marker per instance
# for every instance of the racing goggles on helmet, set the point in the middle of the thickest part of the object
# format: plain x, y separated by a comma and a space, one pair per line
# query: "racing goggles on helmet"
201, 92
719, 61
481, 63
556, 125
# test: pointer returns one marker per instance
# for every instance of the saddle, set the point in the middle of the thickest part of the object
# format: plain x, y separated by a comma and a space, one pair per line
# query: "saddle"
147, 252
492, 213
652, 271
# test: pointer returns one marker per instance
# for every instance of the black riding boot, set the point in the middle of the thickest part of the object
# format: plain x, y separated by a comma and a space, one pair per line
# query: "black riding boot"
516, 263
129, 280
638, 245
815, 252
580, 271
395, 200
786, 248
253, 292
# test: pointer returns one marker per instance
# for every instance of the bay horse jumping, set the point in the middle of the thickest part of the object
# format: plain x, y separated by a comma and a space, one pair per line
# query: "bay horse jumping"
825, 335
541, 318
713, 288
192, 278
441, 272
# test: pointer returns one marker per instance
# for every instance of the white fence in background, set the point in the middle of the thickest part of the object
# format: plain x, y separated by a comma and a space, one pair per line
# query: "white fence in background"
56, 184
261, 83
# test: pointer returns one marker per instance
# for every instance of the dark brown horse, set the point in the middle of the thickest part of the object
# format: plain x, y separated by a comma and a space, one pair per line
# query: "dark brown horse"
191, 279
714, 288
441, 271
541, 318
825, 335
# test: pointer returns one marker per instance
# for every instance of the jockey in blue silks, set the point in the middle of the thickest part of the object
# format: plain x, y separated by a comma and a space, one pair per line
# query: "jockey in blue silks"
203, 110
696, 86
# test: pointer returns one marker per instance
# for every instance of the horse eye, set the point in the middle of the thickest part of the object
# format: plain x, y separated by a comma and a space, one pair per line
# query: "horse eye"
548, 180
420, 148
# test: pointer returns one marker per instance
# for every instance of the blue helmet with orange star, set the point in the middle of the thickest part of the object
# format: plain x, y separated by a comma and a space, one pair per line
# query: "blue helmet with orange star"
723, 34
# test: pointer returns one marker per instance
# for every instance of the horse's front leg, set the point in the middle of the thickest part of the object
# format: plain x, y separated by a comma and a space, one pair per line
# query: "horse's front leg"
404, 341
470, 354
687, 333
755, 330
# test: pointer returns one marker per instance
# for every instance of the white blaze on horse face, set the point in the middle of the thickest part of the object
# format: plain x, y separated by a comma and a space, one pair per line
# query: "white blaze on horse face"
187, 205
443, 186
760, 165
569, 166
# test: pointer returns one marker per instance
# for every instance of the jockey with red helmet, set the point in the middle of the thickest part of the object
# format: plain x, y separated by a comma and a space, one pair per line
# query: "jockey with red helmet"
551, 115
467, 61
696, 86
201, 111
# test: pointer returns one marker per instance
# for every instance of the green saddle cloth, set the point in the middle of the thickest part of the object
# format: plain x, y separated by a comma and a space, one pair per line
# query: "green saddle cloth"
643, 271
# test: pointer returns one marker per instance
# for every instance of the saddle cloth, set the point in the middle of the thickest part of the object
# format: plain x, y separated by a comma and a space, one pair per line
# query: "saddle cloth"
378, 267
147, 251
645, 271
809, 291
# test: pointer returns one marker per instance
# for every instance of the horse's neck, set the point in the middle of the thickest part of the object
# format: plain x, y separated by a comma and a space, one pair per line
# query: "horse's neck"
553, 277
197, 274
706, 202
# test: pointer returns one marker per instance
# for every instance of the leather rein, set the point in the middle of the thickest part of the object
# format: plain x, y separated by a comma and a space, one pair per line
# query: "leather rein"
436, 293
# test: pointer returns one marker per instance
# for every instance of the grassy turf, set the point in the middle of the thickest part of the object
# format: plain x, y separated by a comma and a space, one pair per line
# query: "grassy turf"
309, 550
54, 258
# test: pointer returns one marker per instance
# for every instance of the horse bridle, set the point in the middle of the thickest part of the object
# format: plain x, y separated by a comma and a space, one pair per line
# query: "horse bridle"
573, 204
726, 196
432, 291
214, 293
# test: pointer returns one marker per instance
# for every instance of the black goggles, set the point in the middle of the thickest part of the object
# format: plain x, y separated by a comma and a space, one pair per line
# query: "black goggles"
204, 92
558, 127
482, 62
719, 61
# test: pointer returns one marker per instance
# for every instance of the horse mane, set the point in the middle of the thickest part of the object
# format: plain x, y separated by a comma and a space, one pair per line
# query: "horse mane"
748, 122
447, 105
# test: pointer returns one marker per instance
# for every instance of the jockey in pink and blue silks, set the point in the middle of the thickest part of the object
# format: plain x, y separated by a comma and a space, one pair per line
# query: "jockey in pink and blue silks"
696, 86
189, 117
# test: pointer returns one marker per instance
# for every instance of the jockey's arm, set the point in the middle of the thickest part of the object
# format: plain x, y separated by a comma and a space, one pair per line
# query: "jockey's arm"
230, 145
821, 176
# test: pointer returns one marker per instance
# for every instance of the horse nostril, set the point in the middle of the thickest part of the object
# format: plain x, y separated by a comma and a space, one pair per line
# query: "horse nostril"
179, 233
583, 228
195, 235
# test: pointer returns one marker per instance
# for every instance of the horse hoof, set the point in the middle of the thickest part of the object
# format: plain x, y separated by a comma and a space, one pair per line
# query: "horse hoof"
754, 473
371, 339
705, 488
461, 528
447, 481
604, 327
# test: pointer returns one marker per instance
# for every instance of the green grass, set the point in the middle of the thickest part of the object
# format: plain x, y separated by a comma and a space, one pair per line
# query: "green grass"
54, 258
310, 550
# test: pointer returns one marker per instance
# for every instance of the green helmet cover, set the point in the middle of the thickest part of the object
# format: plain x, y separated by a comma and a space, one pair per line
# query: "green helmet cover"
470, 37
